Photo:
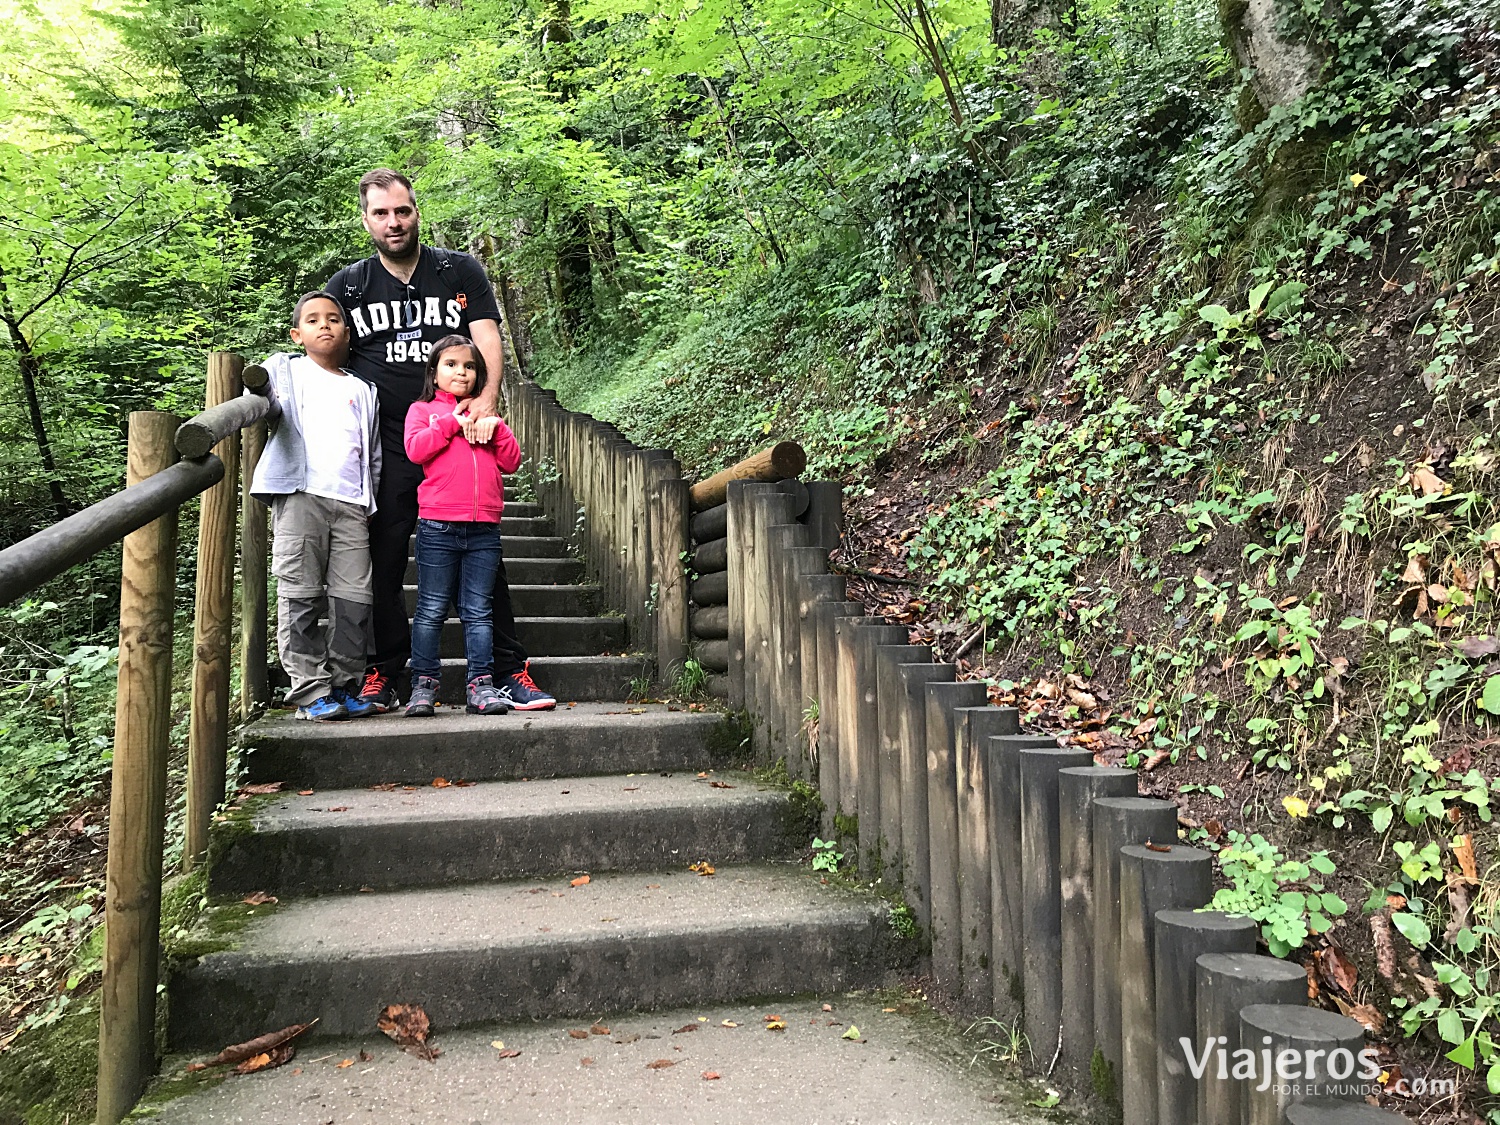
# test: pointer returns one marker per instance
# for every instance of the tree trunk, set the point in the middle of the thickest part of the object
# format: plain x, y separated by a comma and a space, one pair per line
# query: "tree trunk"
31, 368
575, 289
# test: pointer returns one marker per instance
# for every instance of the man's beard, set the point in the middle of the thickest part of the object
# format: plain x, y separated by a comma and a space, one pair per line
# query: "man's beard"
398, 247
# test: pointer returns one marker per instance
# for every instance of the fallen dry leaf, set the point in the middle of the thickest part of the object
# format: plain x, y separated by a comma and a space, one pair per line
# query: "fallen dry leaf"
703, 867
653, 886
580, 881
776, 1025
509, 1053
1463, 851
828, 1007
345, 1065
661, 1064
577, 1033
710, 1076
1336, 970
441, 783
304, 792
1426, 481
409, 1026
628, 1037
598, 1029
1158, 847
259, 898
685, 1028
1155, 760
338, 808
364, 1055
720, 785
268, 1060
261, 1044
728, 1023
631, 788
587, 1060
263, 789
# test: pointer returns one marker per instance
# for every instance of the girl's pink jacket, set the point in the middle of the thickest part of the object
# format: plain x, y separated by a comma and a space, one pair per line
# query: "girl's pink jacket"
461, 482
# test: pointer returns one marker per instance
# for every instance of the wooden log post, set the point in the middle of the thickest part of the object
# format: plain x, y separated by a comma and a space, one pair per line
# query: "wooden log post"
769, 509
782, 461
859, 728
813, 589
977, 858
892, 704
669, 538
834, 780
737, 528
138, 787
255, 692
213, 613
946, 707
797, 559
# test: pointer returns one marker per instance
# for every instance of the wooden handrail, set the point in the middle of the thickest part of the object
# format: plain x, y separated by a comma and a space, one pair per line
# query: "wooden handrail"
198, 435
41, 557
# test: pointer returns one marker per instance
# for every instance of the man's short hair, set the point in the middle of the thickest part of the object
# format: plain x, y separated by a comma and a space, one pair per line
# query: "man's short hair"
315, 295
384, 179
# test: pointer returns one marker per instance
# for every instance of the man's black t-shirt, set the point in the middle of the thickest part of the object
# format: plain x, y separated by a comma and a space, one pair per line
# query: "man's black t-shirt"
393, 324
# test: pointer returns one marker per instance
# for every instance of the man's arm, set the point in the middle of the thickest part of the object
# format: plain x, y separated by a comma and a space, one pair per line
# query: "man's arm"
483, 409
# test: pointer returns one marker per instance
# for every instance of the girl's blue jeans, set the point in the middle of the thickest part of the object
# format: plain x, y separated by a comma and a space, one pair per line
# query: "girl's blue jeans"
456, 564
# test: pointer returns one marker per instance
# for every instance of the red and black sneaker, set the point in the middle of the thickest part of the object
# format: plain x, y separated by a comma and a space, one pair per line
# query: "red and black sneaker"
379, 692
521, 693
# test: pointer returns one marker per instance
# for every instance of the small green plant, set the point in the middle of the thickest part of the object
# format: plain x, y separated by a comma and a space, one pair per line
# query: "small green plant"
1277, 892
691, 680
640, 688
1000, 1042
826, 856
903, 922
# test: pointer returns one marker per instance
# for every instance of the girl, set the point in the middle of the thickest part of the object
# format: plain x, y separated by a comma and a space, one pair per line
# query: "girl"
458, 526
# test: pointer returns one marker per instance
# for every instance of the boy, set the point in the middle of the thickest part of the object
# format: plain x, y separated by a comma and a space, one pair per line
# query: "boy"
319, 474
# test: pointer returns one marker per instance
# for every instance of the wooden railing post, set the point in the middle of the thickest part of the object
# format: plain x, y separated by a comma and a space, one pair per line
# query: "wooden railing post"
138, 786
669, 539
255, 692
208, 729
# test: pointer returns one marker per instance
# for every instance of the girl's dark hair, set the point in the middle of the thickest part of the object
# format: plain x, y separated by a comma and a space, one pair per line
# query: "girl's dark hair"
481, 373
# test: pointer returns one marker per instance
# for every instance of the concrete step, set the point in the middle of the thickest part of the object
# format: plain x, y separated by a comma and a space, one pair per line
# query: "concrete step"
521, 509
552, 636
513, 523
541, 601
569, 679
590, 739
526, 571
472, 954
423, 837
518, 547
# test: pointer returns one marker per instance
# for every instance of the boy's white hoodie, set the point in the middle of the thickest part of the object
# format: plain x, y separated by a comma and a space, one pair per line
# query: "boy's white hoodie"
283, 466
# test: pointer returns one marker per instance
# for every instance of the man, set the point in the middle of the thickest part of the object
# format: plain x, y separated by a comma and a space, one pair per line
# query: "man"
398, 303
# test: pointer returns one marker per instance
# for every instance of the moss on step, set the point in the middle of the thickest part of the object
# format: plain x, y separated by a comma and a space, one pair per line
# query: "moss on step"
47, 1075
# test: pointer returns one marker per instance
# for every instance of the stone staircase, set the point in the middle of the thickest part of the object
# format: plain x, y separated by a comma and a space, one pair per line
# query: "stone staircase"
461, 896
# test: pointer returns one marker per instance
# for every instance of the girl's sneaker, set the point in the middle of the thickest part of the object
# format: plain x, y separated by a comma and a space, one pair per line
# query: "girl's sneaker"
484, 699
328, 709
521, 693
423, 701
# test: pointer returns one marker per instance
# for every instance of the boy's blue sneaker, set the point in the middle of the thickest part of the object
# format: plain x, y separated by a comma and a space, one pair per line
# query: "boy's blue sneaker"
357, 707
328, 709
520, 692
